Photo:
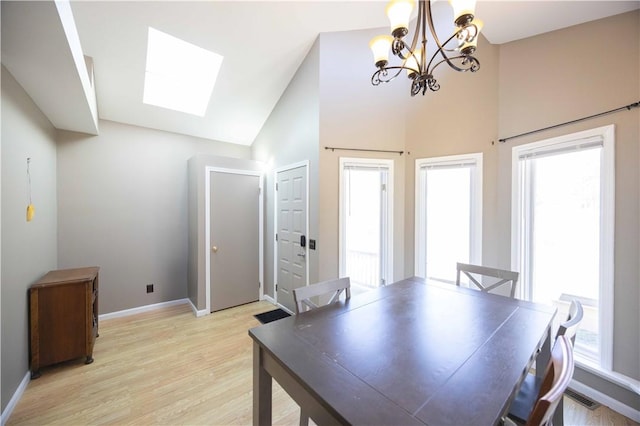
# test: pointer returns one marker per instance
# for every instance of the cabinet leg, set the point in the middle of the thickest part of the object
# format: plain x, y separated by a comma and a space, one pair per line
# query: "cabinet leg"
35, 374
89, 359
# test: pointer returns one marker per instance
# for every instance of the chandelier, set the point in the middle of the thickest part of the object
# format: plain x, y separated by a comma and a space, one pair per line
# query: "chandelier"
458, 55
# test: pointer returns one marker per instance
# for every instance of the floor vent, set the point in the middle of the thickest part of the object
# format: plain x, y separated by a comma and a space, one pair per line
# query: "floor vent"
581, 399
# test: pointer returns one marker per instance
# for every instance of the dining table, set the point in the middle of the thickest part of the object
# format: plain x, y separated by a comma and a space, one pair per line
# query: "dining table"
407, 353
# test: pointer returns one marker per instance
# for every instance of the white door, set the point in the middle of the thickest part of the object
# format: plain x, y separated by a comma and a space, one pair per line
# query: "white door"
291, 207
366, 216
234, 252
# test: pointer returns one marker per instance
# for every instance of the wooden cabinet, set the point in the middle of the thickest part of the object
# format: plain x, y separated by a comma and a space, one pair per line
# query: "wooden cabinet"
63, 317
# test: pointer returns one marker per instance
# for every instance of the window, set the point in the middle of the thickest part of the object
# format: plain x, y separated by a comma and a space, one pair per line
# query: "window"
366, 218
448, 215
179, 75
563, 202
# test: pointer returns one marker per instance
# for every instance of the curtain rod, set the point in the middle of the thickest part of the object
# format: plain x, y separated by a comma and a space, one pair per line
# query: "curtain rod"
333, 148
627, 107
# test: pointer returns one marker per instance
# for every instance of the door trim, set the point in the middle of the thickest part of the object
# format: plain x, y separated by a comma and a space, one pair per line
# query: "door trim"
207, 227
304, 163
388, 259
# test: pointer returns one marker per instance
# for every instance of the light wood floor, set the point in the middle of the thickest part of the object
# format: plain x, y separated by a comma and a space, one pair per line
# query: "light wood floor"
167, 367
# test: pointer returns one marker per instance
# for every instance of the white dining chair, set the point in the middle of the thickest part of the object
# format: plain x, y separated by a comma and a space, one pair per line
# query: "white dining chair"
500, 277
530, 388
302, 295
302, 298
556, 380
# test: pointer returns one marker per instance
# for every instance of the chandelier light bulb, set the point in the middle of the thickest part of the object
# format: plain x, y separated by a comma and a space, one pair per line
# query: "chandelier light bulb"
469, 42
463, 11
399, 13
412, 64
380, 46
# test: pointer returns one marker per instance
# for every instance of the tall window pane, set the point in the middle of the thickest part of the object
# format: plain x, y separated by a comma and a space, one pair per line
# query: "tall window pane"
448, 215
362, 226
565, 236
448, 221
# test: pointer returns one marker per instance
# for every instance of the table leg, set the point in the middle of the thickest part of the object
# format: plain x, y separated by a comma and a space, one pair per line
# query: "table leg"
261, 389
544, 356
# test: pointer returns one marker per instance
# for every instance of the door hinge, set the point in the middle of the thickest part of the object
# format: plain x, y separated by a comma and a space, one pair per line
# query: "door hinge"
276, 237
259, 284
382, 281
276, 287
259, 191
384, 187
276, 186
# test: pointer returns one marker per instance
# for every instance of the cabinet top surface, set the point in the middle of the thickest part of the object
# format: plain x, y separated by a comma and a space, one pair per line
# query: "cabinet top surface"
67, 275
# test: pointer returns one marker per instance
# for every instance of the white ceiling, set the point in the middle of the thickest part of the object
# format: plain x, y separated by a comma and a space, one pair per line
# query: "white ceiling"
263, 43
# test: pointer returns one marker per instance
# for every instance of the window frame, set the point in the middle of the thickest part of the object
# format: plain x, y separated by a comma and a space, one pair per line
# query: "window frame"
387, 215
475, 255
520, 209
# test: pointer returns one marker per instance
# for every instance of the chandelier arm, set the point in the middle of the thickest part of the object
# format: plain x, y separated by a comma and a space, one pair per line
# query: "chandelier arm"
474, 64
380, 76
432, 27
441, 50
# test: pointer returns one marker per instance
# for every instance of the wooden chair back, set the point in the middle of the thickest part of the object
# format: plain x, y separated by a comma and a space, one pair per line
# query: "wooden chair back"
569, 328
504, 277
556, 380
302, 295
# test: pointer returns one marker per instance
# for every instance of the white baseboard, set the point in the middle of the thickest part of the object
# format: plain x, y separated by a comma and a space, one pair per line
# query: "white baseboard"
141, 309
196, 312
15, 398
273, 301
606, 400
269, 299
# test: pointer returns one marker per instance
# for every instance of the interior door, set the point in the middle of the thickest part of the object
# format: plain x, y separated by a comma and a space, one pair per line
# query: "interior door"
291, 188
234, 251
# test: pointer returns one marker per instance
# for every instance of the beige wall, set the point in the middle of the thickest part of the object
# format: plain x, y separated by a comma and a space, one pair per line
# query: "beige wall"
28, 248
568, 74
460, 118
355, 114
123, 205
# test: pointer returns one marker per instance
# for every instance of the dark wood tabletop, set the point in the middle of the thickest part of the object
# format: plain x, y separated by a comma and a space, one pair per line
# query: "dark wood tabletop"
407, 353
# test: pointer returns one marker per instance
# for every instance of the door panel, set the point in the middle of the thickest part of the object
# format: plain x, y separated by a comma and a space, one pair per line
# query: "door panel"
292, 224
234, 240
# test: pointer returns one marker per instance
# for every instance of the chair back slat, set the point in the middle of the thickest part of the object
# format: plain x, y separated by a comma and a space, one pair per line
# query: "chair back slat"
504, 277
301, 295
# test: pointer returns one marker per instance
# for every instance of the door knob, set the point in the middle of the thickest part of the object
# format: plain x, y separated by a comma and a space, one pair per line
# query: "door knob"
214, 249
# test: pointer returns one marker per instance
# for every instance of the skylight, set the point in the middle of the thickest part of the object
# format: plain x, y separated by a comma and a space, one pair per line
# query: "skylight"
179, 75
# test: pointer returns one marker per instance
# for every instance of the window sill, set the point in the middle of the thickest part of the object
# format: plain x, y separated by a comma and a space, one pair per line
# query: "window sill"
617, 378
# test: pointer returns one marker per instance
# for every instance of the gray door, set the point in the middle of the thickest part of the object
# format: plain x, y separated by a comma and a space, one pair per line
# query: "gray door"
234, 239
292, 227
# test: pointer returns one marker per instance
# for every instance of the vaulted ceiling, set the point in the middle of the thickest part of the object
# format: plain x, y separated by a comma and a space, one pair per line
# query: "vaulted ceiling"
263, 43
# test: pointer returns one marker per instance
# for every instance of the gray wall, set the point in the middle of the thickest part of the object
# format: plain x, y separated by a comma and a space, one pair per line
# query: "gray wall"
290, 135
122, 205
28, 248
598, 75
